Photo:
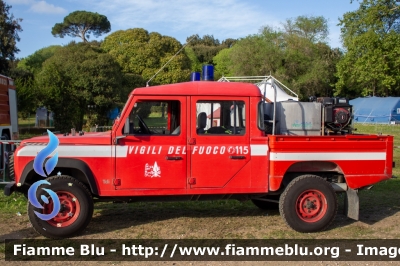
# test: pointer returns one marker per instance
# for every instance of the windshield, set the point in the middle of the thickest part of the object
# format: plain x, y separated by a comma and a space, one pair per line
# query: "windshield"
123, 111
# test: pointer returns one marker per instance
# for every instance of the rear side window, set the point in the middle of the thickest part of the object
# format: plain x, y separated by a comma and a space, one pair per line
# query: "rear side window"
220, 118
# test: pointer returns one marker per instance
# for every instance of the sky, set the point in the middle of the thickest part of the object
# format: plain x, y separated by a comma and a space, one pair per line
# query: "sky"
176, 18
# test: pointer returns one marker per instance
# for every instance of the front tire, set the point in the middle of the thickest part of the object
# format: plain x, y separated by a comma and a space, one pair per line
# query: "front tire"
75, 213
308, 204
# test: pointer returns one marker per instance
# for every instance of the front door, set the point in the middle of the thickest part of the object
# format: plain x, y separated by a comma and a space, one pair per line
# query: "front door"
155, 148
219, 142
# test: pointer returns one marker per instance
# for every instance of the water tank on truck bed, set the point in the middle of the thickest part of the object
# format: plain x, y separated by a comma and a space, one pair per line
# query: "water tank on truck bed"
298, 118
325, 116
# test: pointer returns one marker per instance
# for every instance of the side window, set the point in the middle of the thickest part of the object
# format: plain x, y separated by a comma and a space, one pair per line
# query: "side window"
220, 118
262, 116
155, 118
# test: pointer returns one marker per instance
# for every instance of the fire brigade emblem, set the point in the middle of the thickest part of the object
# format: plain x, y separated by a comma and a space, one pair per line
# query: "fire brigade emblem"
152, 170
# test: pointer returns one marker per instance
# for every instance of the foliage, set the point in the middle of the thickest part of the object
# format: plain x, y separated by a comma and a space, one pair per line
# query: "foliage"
9, 28
29, 97
222, 62
312, 28
141, 53
258, 54
27, 93
205, 53
371, 37
195, 64
206, 48
132, 81
309, 67
34, 62
228, 43
76, 76
81, 24
207, 40
296, 54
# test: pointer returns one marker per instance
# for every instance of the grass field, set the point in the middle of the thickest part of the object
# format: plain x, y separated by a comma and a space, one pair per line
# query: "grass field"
379, 215
28, 122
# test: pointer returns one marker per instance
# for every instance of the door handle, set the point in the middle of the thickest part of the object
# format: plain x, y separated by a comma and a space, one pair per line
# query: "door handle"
173, 158
237, 157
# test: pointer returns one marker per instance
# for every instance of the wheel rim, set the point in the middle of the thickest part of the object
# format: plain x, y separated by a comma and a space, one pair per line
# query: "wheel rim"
311, 206
69, 211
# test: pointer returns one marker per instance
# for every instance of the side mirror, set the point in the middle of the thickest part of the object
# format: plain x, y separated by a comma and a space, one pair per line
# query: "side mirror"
126, 126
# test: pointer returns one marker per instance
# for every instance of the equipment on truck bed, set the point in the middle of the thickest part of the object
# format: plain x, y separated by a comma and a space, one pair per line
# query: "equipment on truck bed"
320, 116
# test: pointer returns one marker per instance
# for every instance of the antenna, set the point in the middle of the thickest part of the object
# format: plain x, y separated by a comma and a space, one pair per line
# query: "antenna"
147, 83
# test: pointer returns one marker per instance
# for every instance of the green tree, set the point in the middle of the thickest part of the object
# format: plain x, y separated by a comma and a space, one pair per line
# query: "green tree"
309, 63
259, 54
27, 94
195, 64
222, 64
81, 24
79, 75
24, 74
207, 47
34, 62
228, 43
312, 28
206, 40
296, 54
142, 53
9, 28
371, 37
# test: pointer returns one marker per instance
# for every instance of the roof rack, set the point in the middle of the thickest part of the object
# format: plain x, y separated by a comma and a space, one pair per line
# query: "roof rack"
259, 80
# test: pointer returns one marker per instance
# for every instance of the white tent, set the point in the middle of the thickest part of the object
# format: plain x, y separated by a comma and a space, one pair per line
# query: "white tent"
41, 117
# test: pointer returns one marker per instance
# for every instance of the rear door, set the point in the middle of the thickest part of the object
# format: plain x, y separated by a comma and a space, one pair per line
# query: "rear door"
219, 142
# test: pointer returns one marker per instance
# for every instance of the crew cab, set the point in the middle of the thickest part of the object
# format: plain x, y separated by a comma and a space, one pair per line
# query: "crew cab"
203, 140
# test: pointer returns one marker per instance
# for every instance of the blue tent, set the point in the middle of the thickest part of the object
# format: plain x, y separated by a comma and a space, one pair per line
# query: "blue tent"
112, 114
379, 110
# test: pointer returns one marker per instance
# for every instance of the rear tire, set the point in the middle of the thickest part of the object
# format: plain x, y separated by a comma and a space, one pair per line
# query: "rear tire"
308, 204
75, 213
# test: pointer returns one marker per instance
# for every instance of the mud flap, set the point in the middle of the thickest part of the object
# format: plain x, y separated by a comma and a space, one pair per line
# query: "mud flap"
351, 204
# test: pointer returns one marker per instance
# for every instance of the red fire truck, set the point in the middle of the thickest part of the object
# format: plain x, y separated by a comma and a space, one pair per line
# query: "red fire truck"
8, 108
8, 117
211, 140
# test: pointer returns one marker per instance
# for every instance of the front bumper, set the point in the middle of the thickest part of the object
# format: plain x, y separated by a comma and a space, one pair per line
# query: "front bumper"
10, 188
